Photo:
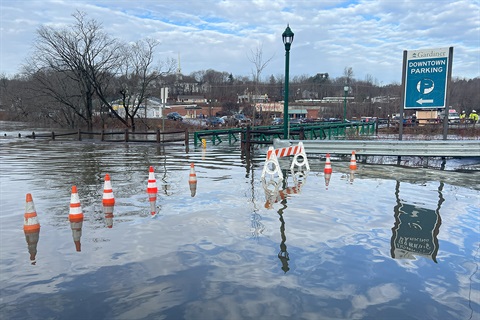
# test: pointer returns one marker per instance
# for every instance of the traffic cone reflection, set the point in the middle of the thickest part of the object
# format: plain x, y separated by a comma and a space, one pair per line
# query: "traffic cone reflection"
327, 179
31, 227
352, 176
152, 191
108, 201
76, 218
192, 180
353, 162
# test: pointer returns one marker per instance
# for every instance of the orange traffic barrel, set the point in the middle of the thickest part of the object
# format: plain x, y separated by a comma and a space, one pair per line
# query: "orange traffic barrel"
353, 162
328, 165
30, 219
192, 180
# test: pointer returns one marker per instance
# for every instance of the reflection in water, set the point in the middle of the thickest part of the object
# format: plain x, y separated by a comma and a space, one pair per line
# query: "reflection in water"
31, 227
352, 176
416, 229
283, 254
108, 212
327, 179
257, 225
273, 194
32, 241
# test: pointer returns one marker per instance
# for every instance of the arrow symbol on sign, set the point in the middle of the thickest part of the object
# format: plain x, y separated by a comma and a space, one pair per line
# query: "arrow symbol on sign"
422, 101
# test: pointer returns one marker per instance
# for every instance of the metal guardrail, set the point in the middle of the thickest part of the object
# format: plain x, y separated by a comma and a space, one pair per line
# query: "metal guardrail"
421, 148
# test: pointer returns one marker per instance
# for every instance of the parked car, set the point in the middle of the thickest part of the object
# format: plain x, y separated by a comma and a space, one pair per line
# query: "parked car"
277, 121
214, 121
241, 120
295, 121
174, 116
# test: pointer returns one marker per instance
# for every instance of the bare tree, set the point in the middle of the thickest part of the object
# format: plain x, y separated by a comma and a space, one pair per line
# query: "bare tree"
256, 57
70, 62
137, 78
348, 74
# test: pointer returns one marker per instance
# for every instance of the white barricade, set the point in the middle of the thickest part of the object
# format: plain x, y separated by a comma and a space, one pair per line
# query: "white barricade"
272, 166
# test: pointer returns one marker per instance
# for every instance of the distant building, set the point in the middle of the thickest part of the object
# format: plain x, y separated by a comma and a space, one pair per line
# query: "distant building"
252, 98
188, 99
150, 108
384, 99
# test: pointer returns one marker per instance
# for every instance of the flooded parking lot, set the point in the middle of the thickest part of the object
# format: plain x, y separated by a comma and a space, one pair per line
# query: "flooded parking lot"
382, 242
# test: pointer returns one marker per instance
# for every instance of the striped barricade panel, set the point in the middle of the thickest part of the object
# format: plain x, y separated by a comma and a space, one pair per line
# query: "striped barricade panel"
273, 155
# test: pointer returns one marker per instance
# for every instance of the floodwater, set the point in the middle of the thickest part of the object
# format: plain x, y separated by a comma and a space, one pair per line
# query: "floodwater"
382, 242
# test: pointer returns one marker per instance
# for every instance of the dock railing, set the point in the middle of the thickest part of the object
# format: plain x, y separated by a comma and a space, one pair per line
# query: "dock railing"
119, 136
266, 134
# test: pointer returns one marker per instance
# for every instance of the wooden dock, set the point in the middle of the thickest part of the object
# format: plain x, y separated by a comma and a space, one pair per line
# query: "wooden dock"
420, 148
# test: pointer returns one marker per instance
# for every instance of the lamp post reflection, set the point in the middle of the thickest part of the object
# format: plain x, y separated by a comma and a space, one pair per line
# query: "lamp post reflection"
273, 195
283, 254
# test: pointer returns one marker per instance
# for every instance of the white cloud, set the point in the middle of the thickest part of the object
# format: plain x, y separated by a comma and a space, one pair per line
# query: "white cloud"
367, 35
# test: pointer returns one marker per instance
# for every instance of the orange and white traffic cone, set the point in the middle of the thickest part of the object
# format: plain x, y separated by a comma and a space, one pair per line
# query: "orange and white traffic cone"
30, 222
353, 162
192, 180
152, 191
328, 165
108, 201
76, 218
31, 227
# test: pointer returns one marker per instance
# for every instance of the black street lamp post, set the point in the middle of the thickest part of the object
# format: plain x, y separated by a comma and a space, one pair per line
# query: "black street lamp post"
345, 89
287, 38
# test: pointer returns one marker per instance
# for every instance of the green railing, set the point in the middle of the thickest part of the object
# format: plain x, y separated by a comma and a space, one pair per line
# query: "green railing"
266, 134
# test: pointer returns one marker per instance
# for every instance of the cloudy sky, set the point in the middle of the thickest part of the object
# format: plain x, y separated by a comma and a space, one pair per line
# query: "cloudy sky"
367, 35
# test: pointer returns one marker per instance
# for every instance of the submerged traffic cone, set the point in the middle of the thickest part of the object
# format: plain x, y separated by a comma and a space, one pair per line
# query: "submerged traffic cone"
108, 198
152, 191
108, 201
353, 162
192, 180
328, 166
30, 222
31, 227
76, 218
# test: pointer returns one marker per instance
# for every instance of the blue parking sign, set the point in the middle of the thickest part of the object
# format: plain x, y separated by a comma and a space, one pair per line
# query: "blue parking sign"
426, 76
